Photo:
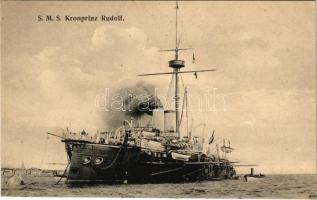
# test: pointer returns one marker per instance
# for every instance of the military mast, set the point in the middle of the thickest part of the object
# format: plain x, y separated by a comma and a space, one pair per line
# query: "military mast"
176, 65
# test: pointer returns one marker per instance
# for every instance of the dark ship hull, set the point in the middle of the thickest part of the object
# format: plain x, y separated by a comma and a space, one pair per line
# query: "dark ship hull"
121, 163
145, 168
83, 168
177, 172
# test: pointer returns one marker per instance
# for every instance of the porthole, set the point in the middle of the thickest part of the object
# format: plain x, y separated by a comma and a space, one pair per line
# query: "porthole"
87, 160
98, 160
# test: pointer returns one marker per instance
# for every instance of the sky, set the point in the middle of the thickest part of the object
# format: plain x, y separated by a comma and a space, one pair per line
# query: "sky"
263, 92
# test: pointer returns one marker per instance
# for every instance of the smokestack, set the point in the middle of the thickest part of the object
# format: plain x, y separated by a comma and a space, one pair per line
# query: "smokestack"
158, 119
169, 120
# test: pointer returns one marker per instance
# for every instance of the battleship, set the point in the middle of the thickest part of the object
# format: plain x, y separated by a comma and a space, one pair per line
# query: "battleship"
149, 148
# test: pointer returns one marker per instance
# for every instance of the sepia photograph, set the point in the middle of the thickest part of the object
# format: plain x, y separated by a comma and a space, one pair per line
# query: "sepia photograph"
158, 99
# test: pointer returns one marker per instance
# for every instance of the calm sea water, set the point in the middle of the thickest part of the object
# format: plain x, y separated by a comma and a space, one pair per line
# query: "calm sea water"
273, 186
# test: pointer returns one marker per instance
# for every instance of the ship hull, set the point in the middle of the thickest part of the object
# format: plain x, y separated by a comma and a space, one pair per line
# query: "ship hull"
133, 166
84, 168
143, 168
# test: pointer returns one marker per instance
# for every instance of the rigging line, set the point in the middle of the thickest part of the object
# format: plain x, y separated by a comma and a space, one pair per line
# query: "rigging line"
182, 81
176, 24
186, 113
183, 32
64, 174
184, 98
191, 128
179, 41
193, 172
170, 87
168, 171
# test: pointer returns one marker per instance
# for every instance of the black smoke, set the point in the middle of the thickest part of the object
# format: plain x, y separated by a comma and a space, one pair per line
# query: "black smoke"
135, 101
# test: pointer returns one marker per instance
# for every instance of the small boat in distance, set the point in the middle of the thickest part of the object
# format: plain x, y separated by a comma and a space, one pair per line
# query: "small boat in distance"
253, 177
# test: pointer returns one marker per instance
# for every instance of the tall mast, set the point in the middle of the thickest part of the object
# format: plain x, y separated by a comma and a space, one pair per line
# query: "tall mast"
176, 31
177, 64
176, 69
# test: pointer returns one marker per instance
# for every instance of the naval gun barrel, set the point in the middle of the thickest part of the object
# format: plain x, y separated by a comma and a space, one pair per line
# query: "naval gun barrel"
55, 135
